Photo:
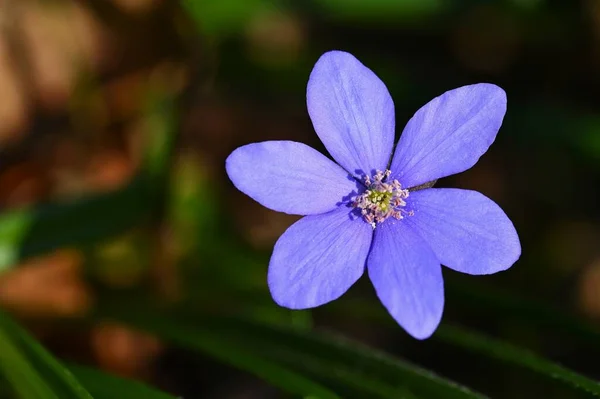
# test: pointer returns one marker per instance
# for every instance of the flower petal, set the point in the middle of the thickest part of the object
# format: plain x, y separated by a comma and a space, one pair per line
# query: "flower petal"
449, 134
407, 278
318, 258
466, 230
352, 112
289, 177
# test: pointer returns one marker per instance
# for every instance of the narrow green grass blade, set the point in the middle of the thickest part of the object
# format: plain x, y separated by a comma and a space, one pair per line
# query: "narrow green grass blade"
106, 386
31, 370
505, 352
33, 373
259, 347
478, 300
238, 356
347, 360
210, 342
488, 347
19, 373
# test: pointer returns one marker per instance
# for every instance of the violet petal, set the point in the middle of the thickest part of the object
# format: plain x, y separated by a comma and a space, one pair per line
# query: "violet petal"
449, 134
407, 278
352, 112
289, 177
466, 230
318, 258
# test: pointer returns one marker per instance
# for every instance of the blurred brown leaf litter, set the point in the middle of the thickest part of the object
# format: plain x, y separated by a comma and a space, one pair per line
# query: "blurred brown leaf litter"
57, 62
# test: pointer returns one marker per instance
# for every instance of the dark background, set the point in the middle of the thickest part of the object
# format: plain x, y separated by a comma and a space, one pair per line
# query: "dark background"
75, 81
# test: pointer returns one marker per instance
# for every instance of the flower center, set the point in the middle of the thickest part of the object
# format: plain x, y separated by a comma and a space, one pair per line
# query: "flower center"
382, 199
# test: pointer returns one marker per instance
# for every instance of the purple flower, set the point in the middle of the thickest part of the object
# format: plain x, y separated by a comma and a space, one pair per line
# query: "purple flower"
362, 212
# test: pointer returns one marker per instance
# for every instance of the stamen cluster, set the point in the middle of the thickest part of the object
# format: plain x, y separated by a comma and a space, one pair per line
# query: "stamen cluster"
381, 199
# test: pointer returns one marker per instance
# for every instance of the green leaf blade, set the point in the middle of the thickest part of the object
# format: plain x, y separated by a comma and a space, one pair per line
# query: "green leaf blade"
31, 370
332, 360
106, 386
514, 355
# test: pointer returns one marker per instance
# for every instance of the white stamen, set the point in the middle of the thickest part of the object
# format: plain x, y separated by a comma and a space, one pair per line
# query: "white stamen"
382, 200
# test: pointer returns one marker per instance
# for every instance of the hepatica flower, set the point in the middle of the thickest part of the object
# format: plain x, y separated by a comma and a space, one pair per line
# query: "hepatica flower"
364, 212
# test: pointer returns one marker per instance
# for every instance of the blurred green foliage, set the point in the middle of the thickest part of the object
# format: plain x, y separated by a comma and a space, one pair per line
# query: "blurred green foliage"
222, 309
33, 373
